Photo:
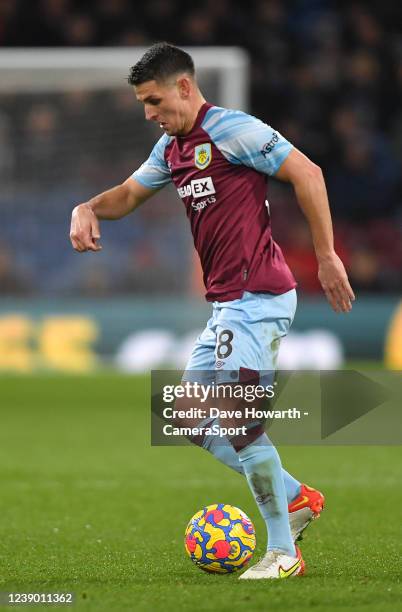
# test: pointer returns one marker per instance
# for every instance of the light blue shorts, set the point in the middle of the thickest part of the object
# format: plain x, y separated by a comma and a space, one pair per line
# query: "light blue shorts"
241, 335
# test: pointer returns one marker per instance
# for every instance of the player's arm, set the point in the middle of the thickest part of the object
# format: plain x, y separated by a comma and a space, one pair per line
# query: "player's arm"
112, 204
309, 185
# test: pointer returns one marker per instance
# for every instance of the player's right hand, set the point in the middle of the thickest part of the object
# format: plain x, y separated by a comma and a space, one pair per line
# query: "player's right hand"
84, 232
335, 283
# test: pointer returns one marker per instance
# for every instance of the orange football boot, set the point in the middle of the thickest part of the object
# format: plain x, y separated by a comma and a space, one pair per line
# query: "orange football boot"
304, 509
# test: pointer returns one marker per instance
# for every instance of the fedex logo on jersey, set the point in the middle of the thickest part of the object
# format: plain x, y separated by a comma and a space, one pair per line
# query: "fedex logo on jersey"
198, 188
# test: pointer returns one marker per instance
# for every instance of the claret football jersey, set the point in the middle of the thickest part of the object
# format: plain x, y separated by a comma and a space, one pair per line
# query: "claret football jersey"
220, 170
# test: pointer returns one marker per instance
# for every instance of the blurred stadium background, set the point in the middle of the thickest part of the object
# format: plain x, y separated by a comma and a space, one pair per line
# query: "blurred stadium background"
327, 74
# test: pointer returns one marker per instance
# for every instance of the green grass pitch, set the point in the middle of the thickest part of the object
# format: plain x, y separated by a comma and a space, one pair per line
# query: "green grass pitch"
87, 505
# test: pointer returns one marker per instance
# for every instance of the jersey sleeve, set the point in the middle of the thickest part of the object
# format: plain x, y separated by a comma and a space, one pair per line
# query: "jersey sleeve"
154, 172
244, 139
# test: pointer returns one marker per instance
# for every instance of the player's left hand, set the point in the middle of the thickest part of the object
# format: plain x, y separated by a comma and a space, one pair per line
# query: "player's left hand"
335, 283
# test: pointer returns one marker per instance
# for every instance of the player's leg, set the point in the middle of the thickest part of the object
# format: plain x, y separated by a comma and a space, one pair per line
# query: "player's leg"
201, 368
260, 460
270, 317
304, 503
247, 332
263, 471
225, 453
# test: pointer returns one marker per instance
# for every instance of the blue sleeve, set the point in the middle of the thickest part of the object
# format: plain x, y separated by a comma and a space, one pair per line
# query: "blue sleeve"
154, 173
244, 139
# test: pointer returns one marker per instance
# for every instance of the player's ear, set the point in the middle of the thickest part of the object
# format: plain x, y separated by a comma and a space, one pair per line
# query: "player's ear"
184, 87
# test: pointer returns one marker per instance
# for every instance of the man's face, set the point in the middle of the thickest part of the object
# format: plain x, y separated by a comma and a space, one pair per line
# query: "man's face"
166, 103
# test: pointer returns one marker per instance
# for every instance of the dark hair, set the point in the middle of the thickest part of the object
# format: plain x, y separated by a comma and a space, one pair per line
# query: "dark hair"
160, 62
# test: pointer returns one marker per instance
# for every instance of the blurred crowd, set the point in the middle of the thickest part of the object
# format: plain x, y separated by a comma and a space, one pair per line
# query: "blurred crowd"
327, 74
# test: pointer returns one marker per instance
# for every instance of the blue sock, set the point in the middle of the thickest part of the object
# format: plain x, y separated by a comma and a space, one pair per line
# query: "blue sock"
292, 486
262, 467
224, 452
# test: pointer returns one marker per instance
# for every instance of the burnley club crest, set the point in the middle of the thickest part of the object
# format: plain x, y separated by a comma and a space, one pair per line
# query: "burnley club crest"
202, 155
